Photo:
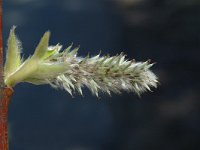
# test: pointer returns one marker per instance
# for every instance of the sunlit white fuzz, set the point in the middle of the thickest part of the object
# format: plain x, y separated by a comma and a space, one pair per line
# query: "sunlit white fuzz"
64, 69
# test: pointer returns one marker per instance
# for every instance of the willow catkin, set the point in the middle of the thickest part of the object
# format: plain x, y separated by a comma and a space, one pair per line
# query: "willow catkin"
65, 70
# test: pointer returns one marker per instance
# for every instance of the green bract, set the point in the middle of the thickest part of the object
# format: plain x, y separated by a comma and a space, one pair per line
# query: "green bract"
63, 69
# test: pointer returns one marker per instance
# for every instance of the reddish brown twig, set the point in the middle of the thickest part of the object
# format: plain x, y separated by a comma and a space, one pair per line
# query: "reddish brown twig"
5, 96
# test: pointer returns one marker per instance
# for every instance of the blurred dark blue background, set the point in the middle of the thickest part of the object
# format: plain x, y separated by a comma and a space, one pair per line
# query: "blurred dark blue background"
166, 31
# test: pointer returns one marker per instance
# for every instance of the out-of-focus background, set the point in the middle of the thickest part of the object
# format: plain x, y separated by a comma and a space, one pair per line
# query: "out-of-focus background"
166, 31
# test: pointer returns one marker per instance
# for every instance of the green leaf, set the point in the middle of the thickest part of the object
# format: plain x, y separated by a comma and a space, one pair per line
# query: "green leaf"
13, 59
42, 47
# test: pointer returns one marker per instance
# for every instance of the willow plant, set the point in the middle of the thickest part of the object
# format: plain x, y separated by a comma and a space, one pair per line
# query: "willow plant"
62, 68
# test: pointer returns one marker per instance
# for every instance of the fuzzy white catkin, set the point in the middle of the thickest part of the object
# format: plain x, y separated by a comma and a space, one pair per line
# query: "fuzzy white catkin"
64, 69
106, 74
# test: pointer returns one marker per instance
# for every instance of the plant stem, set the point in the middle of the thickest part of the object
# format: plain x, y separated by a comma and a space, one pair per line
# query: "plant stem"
4, 105
5, 96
